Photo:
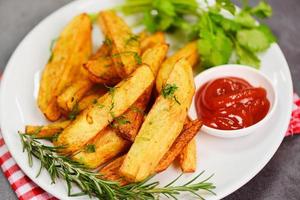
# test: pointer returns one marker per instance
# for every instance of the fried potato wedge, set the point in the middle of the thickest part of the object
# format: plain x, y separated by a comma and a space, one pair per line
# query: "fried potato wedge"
111, 171
72, 95
104, 147
188, 157
125, 45
47, 131
152, 40
97, 116
153, 57
100, 66
133, 117
189, 52
188, 133
166, 116
72, 48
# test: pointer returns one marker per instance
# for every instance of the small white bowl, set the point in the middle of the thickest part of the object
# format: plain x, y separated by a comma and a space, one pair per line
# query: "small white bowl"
254, 77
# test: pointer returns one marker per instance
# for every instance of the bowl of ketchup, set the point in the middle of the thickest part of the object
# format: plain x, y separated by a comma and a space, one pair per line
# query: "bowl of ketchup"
233, 100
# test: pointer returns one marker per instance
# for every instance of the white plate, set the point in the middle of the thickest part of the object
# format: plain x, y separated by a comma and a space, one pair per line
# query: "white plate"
234, 162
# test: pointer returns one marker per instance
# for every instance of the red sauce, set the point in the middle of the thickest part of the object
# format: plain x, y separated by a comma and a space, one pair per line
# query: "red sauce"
231, 103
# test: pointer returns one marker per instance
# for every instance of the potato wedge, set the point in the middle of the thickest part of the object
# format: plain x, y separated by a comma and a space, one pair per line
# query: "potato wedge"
189, 52
153, 57
152, 40
133, 117
104, 147
125, 45
71, 96
188, 157
97, 116
166, 116
102, 70
46, 131
111, 171
188, 133
73, 47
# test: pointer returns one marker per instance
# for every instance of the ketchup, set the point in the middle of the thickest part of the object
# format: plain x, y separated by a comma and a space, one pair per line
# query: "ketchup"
231, 103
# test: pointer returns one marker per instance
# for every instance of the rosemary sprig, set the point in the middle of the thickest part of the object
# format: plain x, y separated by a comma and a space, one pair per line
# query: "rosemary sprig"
92, 184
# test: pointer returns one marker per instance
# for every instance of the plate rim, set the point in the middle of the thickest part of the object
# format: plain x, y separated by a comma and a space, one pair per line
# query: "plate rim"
251, 174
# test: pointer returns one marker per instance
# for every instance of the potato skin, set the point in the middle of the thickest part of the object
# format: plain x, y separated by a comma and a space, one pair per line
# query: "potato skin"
188, 133
72, 48
188, 157
166, 116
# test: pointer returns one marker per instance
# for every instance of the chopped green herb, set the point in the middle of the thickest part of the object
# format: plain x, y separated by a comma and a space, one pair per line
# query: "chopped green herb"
53, 41
90, 148
93, 17
168, 91
121, 120
131, 39
136, 56
108, 42
75, 111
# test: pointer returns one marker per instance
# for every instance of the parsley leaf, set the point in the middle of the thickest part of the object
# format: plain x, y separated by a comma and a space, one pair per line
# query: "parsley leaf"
262, 10
246, 57
254, 40
90, 148
168, 91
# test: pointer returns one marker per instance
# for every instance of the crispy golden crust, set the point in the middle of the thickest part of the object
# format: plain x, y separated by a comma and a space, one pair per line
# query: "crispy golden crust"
125, 48
189, 52
135, 117
187, 134
72, 48
47, 130
107, 145
72, 95
111, 171
152, 40
188, 157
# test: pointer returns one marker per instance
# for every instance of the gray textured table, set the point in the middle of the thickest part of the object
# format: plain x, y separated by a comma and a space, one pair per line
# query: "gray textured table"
279, 180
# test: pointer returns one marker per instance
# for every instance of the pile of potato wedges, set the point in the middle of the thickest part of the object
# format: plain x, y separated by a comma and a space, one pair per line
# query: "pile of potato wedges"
123, 109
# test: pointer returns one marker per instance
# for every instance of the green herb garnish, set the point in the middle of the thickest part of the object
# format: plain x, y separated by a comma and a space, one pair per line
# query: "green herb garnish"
53, 41
168, 91
93, 184
90, 148
93, 17
132, 38
74, 112
219, 37
136, 56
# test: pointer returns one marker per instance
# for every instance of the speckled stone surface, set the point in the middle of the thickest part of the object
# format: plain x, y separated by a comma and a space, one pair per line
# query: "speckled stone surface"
280, 179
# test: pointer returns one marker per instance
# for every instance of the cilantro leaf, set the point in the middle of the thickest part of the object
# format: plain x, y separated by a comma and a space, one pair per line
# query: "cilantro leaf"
246, 57
245, 19
262, 10
254, 40
268, 33
227, 5
165, 7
